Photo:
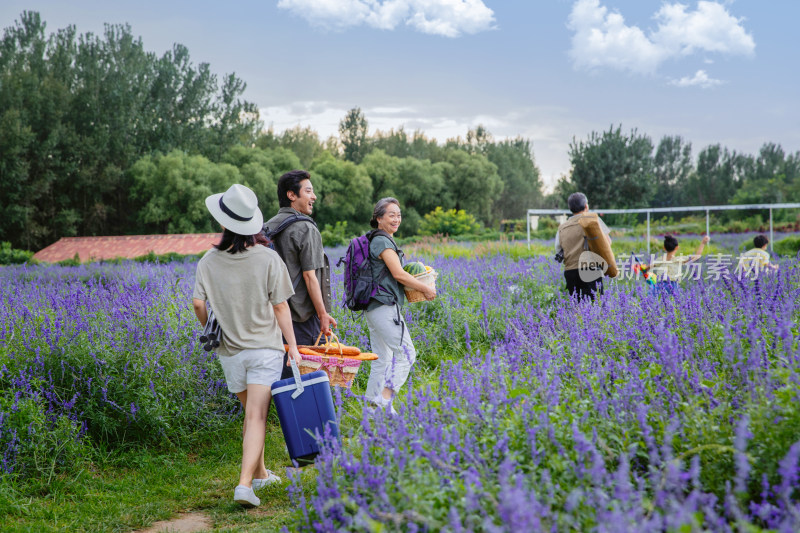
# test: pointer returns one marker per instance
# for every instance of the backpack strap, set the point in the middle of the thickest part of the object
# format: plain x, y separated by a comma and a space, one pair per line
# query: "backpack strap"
385, 272
272, 235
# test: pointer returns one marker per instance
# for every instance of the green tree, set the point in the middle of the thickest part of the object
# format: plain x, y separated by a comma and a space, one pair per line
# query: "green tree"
393, 142
716, 177
769, 178
344, 192
353, 135
304, 142
522, 185
78, 110
471, 183
260, 170
672, 167
173, 189
613, 170
417, 184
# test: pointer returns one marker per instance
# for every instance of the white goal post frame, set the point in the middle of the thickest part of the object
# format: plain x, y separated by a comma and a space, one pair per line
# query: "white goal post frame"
706, 208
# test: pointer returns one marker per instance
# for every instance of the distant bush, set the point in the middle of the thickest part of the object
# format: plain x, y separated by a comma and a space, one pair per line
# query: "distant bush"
169, 257
335, 235
546, 229
11, 256
74, 261
788, 246
450, 222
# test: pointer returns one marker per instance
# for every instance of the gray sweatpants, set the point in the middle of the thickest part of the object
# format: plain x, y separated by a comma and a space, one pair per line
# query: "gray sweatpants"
395, 355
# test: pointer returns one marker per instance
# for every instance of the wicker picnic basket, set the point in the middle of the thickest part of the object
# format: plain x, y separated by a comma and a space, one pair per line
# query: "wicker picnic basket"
341, 370
428, 278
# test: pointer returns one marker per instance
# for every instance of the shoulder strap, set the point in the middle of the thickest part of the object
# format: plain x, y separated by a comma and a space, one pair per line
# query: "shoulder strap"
380, 233
273, 234
288, 221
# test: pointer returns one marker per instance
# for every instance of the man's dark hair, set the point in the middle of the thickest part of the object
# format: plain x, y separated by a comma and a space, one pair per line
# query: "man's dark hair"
290, 182
233, 243
670, 243
577, 202
759, 241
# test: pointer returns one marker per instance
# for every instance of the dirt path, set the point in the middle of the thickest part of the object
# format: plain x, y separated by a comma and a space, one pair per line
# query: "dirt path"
184, 523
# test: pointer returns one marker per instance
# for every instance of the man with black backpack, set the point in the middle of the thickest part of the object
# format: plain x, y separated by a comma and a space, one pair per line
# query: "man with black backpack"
296, 238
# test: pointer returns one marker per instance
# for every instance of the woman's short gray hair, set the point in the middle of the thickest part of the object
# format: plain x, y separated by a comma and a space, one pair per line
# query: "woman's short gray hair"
380, 209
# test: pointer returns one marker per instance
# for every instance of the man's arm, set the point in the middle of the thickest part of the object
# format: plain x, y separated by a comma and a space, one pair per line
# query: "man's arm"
315, 293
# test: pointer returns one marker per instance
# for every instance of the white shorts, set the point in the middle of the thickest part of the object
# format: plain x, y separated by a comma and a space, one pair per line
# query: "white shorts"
251, 367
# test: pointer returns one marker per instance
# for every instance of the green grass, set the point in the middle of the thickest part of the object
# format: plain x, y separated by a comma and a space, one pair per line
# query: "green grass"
130, 490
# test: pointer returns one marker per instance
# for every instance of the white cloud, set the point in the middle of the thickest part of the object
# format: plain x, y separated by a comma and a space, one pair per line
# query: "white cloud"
710, 28
449, 18
699, 79
602, 39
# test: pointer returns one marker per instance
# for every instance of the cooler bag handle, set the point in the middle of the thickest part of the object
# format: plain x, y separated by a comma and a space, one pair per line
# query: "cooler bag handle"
297, 378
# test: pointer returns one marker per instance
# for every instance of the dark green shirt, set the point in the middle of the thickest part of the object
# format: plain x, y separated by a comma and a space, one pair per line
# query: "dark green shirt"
300, 247
395, 293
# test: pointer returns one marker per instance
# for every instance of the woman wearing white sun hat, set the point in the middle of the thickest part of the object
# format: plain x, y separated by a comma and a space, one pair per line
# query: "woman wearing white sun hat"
247, 286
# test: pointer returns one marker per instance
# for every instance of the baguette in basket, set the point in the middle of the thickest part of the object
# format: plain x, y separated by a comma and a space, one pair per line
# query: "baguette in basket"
339, 361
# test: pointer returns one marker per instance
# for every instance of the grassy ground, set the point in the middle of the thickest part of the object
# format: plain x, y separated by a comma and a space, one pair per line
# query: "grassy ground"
130, 490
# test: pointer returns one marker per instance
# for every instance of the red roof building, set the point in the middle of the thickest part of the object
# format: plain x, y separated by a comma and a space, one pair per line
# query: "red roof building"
125, 246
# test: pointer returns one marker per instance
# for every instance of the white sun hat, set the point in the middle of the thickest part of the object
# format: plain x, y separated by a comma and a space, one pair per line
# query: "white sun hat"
237, 210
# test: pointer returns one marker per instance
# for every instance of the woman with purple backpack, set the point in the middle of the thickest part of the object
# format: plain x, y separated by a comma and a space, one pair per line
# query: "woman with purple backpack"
388, 333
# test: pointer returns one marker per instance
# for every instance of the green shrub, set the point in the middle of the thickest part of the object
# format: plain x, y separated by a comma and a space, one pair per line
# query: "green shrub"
75, 261
38, 445
450, 222
335, 235
10, 256
169, 257
788, 246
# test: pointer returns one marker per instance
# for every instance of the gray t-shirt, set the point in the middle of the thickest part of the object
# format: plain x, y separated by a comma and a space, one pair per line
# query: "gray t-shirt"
395, 292
300, 246
242, 288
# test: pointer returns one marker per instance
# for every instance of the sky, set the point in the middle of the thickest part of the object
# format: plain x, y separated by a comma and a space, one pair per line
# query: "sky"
552, 71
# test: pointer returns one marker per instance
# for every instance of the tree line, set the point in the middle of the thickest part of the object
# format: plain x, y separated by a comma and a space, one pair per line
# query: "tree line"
626, 170
100, 137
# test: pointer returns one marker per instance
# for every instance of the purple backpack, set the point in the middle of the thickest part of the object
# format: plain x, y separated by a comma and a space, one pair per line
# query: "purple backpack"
359, 284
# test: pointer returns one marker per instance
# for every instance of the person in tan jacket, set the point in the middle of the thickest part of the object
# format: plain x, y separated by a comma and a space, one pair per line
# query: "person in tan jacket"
571, 242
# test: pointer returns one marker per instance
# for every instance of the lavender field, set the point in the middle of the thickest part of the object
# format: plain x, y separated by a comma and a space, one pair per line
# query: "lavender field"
526, 411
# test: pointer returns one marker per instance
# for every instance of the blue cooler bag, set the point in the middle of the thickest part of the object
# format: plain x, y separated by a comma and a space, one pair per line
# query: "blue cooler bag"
303, 411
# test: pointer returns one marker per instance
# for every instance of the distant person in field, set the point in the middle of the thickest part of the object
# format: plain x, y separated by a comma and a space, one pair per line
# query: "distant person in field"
668, 270
758, 257
247, 286
299, 244
388, 332
571, 242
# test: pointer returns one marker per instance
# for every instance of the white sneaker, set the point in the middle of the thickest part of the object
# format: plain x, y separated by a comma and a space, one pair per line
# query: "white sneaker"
245, 496
385, 405
269, 480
